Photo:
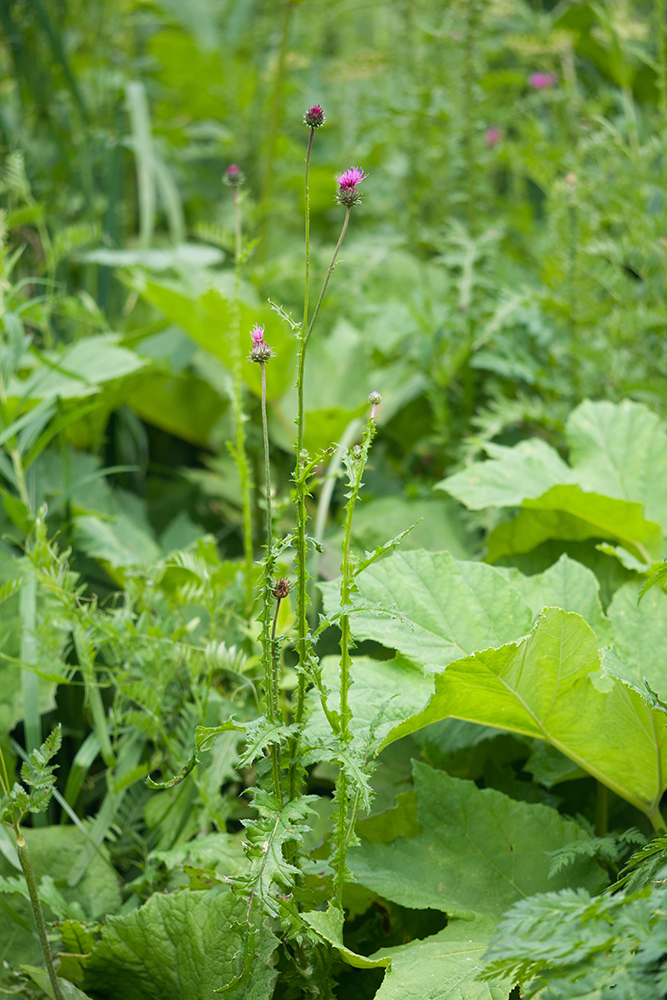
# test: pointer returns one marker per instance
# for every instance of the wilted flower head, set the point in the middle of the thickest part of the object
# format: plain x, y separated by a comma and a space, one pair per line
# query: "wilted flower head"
233, 175
493, 135
314, 117
541, 81
281, 588
347, 186
261, 351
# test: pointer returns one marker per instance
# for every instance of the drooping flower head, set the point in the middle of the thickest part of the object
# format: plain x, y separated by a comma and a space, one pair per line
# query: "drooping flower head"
261, 351
233, 175
347, 186
542, 81
314, 117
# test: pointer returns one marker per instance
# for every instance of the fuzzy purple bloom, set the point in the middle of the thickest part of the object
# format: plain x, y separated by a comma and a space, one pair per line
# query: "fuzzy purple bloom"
233, 175
314, 117
347, 186
492, 136
542, 81
261, 351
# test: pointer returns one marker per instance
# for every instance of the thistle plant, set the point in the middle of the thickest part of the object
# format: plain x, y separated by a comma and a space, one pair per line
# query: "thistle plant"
15, 802
234, 178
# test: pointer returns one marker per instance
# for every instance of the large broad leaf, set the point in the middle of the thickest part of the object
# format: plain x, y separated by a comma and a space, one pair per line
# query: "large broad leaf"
477, 850
620, 449
568, 513
381, 694
453, 607
208, 317
615, 488
180, 946
442, 967
180, 403
639, 633
549, 685
509, 476
79, 370
567, 585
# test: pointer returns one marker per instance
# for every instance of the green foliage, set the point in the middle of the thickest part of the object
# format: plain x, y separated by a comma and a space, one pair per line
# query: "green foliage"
498, 737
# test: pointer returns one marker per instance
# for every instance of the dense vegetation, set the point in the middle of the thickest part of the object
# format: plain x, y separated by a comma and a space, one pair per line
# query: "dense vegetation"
335, 672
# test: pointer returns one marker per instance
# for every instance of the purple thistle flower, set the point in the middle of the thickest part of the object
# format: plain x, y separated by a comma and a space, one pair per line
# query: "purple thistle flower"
233, 175
347, 186
261, 351
314, 117
492, 136
542, 81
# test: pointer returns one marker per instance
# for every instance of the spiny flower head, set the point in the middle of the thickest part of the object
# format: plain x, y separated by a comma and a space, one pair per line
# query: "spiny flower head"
347, 186
314, 117
261, 351
281, 588
542, 81
374, 399
233, 175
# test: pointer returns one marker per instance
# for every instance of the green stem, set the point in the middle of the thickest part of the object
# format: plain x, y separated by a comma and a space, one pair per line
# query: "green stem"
268, 628
240, 455
26, 865
302, 492
356, 465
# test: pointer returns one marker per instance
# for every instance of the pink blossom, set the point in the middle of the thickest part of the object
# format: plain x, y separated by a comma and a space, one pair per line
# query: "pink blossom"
493, 135
542, 81
351, 177
347, 186
257, 335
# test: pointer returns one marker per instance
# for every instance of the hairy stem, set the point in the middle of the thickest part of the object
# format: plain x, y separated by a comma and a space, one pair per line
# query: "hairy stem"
26, 865
355, 467
268, 621
300, 477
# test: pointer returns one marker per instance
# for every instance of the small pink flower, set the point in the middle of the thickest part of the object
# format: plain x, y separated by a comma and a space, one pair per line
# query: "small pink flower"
261, 351
347, 186
352, 177
492, 136
542, 81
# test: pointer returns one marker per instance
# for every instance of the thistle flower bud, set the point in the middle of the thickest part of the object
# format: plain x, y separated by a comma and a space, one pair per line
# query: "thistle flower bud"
347, 186
233, 176
261, 351
374, 399
282, 588
314, 117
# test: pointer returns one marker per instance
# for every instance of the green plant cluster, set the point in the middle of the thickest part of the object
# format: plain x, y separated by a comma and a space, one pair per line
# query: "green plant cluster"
333, 578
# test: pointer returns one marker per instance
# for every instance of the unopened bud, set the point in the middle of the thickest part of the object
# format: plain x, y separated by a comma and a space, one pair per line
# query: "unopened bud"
314, 117
233, 176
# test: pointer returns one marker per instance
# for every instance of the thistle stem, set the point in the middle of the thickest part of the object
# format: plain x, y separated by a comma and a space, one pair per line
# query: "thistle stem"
26, 865
239, 430
302, 490
268, 629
